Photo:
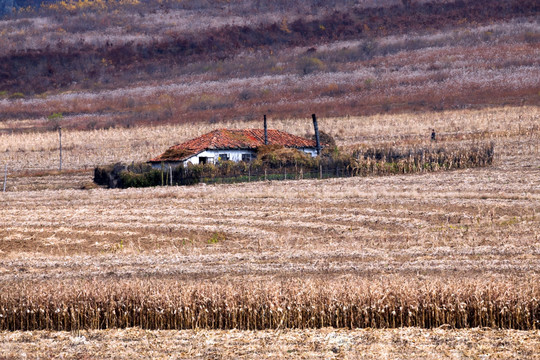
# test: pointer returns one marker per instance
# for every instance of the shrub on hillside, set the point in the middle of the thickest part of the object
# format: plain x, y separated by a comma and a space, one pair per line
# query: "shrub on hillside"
308, 65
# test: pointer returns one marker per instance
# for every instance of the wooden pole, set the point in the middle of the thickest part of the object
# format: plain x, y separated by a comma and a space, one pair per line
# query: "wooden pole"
5, 179
320, 171
265, 132
316, 127
60, 140
170, 175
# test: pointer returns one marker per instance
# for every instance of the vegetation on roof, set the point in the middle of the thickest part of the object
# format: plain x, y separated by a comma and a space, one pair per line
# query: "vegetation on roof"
280, 155
239, 136
175, 153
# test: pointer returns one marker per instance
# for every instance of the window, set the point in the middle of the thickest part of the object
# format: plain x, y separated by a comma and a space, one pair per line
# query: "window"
223, 157
247, 157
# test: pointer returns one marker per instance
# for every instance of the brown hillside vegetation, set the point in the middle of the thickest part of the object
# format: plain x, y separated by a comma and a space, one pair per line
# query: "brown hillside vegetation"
345, 62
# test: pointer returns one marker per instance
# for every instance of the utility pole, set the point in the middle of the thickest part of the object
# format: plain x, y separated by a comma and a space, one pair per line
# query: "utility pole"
5, 178
316, 128
265, 132
60, 139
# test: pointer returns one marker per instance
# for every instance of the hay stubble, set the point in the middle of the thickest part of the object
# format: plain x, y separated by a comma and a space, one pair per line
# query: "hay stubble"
459, 248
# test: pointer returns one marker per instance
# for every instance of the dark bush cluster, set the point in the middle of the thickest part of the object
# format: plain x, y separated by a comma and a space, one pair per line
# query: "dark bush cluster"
109, 175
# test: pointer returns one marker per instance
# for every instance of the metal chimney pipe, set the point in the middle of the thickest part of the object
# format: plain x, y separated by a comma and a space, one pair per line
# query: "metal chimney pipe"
265, 132
316, 134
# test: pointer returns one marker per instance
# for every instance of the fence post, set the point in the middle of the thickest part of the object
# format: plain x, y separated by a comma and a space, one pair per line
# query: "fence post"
5, 178
249, 173
170, 172
320, 171
285, 177
162, 183
60, 141
265, 177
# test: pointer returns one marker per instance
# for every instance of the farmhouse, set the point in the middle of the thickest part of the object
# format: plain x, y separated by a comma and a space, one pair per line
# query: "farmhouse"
233, 145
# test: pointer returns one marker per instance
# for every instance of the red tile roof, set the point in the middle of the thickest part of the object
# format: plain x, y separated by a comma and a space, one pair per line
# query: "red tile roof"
222, 139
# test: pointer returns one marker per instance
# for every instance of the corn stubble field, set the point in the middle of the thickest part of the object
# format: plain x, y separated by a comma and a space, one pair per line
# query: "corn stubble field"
442, 264
298, 268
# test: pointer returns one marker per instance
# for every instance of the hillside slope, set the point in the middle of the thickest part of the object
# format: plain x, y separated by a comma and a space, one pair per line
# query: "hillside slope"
169, 63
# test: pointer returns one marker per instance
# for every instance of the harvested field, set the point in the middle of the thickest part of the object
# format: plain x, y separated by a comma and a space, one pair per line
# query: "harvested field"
88, 149
459, 248
321, 268
327, 343
457, 209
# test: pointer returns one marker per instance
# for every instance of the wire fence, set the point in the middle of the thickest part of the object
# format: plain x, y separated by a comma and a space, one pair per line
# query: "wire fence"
281, 174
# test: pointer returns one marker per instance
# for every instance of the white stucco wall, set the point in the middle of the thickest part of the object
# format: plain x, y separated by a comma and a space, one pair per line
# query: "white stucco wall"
213, 155
310, 151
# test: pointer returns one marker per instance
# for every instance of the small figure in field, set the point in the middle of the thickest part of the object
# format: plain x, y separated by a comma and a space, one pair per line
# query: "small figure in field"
433, 135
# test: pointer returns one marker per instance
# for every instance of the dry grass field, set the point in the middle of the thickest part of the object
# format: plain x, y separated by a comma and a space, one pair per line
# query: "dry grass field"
38, 151
327, 343
442, 250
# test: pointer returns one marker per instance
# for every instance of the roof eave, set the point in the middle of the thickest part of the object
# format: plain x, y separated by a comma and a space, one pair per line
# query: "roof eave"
157, 160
